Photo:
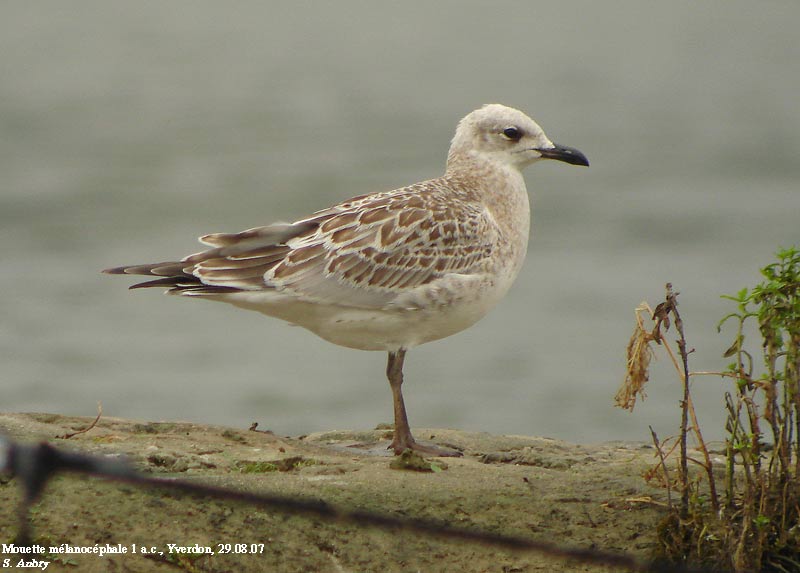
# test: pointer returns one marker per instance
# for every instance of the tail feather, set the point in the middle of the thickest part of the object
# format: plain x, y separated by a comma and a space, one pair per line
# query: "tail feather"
237, 262
158, 269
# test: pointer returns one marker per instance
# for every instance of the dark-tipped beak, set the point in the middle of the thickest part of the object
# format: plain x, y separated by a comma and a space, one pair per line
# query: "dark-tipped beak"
565, 154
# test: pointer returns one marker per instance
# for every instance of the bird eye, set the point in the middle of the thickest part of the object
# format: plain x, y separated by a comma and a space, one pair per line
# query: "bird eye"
512, 133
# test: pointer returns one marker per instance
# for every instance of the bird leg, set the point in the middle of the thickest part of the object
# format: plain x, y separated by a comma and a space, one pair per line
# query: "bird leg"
402, 431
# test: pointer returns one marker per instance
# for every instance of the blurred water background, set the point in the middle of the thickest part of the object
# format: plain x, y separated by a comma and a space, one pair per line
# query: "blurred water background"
129, 129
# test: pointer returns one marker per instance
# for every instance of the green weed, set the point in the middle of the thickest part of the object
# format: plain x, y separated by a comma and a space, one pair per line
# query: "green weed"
755, 524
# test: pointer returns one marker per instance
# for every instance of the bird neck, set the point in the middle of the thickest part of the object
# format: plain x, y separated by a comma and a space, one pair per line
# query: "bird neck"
481, 166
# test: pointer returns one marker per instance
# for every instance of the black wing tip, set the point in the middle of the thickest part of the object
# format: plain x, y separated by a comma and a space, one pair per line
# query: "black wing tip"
164, 282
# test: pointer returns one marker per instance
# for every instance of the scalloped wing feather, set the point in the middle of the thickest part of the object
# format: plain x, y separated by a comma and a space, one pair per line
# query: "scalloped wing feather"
371, 250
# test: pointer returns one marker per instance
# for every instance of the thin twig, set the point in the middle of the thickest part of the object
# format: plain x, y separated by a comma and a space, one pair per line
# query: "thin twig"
87, 428
670, 306
663, 465
683, 373
712, 373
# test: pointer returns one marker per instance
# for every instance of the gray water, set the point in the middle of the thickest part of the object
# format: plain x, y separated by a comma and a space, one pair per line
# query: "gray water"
129, 129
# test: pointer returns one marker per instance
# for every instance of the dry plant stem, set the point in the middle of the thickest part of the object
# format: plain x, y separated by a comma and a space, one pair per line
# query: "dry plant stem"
671, 307
729, 454
87, 428
701, 444
663, 465
793, 373
712, 373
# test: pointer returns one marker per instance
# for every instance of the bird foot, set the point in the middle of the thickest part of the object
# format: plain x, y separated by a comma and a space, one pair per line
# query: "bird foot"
399, 446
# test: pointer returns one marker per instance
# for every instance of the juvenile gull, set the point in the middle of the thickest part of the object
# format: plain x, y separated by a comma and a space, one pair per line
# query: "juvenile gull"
390, 270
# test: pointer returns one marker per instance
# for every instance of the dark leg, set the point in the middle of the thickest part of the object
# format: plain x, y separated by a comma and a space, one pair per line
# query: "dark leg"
402, 431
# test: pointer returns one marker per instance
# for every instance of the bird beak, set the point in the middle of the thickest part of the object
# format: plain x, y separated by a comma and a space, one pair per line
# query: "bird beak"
565, 154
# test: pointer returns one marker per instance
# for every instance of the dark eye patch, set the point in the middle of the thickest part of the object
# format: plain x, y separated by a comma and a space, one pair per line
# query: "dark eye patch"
512, 133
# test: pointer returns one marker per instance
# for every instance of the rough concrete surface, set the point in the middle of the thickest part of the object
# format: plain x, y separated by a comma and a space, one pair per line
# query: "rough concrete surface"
537, 488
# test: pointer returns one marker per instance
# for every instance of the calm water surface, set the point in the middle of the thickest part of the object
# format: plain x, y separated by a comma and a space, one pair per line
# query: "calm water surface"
130, 129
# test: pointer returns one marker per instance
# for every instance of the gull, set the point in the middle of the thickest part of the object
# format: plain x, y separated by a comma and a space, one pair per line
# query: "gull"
390, 270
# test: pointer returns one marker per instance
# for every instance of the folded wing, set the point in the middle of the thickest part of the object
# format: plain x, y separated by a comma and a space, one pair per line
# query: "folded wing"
365, 252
